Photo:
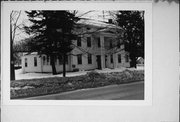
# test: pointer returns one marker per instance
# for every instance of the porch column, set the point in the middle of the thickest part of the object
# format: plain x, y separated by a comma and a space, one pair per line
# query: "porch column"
22, 64
102, 52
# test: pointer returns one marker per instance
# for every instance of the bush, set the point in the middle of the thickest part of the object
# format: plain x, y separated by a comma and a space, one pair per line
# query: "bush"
75, 70
93, 74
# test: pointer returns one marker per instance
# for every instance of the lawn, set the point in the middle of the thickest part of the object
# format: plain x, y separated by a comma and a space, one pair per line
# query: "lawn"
44, 86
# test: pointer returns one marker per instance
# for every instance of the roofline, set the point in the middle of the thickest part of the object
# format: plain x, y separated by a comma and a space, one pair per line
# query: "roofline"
110, 25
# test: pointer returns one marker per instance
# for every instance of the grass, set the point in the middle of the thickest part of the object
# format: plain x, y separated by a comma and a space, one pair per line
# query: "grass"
54, 85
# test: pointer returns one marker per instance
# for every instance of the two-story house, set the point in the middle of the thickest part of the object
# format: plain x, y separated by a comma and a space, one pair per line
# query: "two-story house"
97, 47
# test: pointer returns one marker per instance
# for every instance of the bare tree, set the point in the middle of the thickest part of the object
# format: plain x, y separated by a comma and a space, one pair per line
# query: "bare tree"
14, 17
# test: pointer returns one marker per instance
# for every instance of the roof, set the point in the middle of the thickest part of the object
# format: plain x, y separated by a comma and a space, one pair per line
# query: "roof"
97, 23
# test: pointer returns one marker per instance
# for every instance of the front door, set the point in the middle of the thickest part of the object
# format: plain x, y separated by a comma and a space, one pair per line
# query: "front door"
98, 61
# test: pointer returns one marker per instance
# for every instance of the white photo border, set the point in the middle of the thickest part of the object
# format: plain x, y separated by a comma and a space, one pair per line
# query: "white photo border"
7, 7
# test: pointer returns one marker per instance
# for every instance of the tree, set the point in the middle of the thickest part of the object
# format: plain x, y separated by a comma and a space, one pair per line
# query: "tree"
14, 17
133, 24
52, 34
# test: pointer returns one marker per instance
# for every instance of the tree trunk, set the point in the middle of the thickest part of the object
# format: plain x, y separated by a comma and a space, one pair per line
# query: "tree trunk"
53, 64
12, 75
64, 65
12, 67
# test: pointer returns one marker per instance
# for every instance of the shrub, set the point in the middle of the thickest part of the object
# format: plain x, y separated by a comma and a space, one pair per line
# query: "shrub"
75, 70
93, 74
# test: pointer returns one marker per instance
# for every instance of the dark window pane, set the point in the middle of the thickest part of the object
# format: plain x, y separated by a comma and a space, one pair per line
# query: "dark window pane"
110, 45
119, 58
35, 61
99, 42
26, 62
89, 59
44, 60
88, 41
111, 58
79, 58
48, 60
119, 44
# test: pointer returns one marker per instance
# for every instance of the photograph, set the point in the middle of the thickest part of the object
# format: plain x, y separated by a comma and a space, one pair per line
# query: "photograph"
77, 54
111, 61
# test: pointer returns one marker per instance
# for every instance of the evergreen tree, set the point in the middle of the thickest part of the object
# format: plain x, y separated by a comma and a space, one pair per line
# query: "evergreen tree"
52, 34
133, 24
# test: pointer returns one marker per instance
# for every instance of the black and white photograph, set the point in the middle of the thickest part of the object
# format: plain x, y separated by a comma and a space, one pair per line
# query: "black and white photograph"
77, 55
110, 61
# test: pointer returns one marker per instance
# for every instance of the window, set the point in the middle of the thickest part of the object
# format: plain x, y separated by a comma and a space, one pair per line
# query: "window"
79, 41
88, 41
47, 60
119, 44
110, 44
89, 59
79, 58
119, 58
44, 60
26, 63
35, 61
127, 58
111, 58
99, 42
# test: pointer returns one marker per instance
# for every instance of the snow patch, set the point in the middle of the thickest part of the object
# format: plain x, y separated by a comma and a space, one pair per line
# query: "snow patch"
20, 75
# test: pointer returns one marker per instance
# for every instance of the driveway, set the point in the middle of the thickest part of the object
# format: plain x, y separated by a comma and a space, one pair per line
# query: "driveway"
131, 91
